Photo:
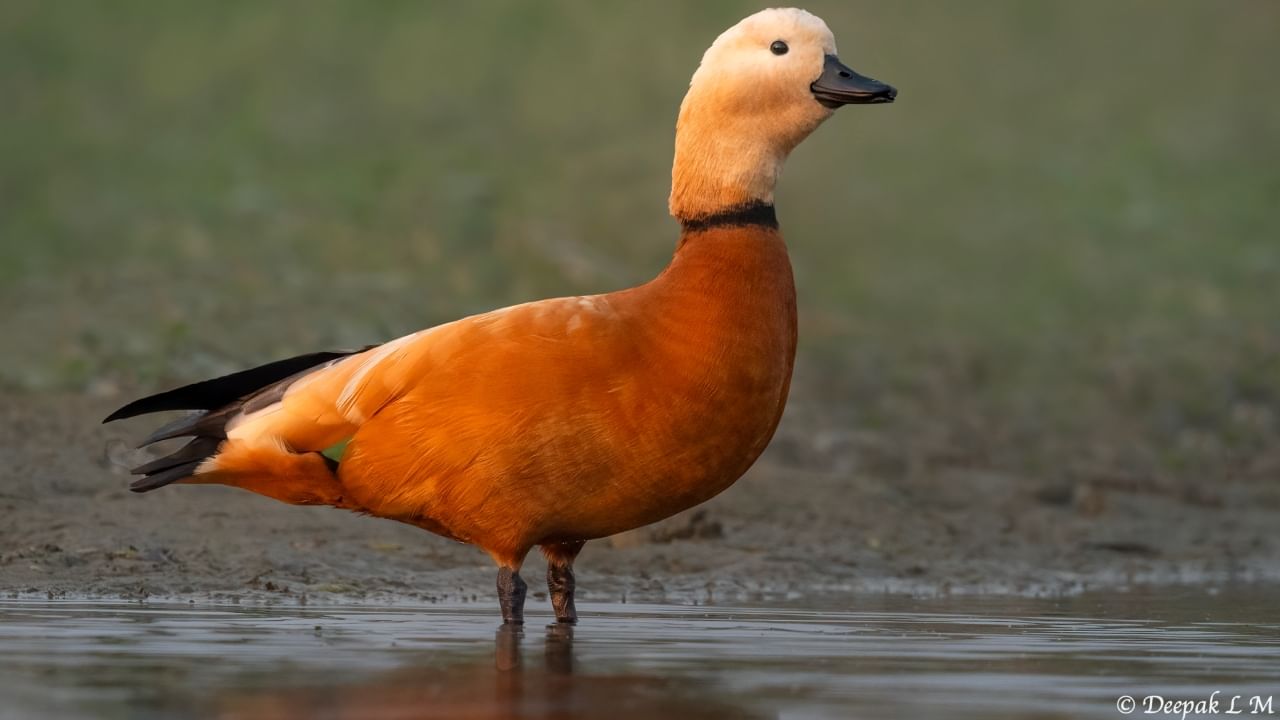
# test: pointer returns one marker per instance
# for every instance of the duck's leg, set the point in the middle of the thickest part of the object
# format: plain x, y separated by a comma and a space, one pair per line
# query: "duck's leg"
511, 592
560, 580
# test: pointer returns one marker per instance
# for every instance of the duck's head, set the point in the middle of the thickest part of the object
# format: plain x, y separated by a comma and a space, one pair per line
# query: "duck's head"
762, 87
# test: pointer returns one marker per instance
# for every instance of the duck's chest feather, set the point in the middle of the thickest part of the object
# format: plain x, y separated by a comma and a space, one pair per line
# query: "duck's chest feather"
723, 324
582, 417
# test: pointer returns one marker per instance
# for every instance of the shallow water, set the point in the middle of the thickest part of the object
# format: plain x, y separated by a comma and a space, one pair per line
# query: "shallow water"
878, 657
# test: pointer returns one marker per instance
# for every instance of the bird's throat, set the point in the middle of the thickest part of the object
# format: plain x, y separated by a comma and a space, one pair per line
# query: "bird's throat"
718, 171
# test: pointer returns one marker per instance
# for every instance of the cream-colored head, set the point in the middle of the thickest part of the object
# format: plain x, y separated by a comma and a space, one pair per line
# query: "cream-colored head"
762, 87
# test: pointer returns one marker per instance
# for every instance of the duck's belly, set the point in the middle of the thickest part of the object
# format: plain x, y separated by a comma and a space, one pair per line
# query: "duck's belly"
507, 478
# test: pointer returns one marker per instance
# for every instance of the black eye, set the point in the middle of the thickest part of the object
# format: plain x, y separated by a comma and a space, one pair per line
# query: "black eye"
779, 48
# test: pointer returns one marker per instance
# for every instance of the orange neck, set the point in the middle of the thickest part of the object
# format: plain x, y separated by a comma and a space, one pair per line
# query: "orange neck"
728, 290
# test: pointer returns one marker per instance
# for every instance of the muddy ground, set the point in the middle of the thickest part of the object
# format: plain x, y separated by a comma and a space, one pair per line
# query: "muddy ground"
807, 521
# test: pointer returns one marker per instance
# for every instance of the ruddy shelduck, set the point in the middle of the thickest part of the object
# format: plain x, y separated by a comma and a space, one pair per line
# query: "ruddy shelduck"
557, 422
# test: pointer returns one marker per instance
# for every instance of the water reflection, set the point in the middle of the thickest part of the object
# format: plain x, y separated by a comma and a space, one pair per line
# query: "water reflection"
513, 684
891, 657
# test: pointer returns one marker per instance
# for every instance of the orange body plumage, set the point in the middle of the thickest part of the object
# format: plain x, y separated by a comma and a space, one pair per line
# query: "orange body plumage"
554, 421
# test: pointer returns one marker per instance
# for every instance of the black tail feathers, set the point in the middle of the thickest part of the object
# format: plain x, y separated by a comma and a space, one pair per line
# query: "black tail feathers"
217, 401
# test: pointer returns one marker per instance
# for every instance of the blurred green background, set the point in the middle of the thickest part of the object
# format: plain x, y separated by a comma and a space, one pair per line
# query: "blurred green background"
1058, 254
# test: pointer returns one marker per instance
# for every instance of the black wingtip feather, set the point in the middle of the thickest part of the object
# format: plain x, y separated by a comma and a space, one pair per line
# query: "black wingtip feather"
194, 451
202, 422
164, 477
211, 394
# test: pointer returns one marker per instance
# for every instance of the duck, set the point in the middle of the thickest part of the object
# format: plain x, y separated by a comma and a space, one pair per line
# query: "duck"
553, 423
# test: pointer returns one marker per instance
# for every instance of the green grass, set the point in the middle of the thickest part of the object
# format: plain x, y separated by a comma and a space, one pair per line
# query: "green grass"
1059, 251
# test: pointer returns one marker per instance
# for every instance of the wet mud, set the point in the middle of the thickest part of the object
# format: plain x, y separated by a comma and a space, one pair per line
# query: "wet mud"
801, 524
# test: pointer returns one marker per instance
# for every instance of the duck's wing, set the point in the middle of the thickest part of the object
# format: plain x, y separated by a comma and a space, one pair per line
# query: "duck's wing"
433, 365
314, 402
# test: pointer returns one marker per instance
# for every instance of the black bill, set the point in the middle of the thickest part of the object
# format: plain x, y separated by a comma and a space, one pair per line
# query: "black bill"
838, 85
